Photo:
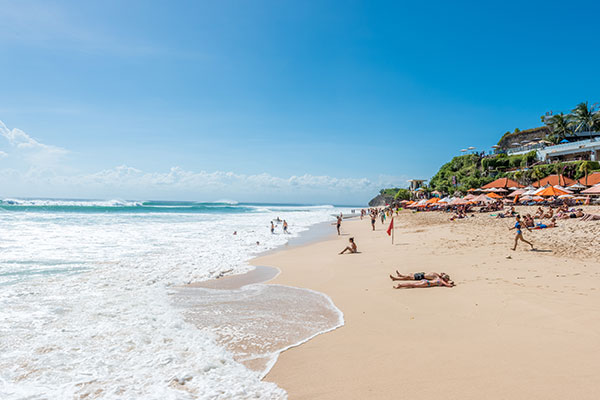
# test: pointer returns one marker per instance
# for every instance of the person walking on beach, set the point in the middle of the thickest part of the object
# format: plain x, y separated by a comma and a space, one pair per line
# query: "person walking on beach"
373, 219
519, 235
272, 228
352, 248
339, 223
382, 217
285, 226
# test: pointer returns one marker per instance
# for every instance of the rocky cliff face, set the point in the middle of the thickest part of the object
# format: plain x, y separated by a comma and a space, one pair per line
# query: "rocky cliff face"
380, 200
518, 137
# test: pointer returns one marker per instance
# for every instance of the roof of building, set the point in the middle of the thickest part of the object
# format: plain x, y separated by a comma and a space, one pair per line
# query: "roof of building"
502, 183
592, 179
554, 180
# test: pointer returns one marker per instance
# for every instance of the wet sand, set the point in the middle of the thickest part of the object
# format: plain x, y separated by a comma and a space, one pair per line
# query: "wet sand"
518, 325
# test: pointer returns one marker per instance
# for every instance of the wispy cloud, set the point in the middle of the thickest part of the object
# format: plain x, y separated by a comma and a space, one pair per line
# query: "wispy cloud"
177, 183
29, 148
38, 169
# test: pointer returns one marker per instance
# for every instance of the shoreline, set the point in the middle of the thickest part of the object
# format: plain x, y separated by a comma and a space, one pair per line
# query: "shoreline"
252, 291
440, 334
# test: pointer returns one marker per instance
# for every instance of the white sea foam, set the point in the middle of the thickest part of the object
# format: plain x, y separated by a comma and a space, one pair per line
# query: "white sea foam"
70, 203
86, 310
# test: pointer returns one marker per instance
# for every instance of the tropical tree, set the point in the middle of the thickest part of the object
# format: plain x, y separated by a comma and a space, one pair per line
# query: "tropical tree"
560, 125
584, 118
585, 168
538, 173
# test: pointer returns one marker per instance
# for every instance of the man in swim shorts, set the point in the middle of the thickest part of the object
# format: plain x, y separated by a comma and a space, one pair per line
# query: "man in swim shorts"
424, 283
418, 276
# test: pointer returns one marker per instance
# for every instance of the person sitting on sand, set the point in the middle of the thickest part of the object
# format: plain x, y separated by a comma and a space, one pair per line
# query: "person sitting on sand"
418, 276
528, 221
539, 213
423, 283
519, 235
352, 248
549, 214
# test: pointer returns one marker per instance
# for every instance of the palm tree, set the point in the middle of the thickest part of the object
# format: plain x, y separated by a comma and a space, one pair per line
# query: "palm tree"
560, 125
585, 167
585, 118
537, 173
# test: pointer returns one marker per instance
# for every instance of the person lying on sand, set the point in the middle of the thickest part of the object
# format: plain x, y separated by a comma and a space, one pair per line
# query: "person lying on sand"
419, 276
551, 224
590, 217
352, 248
423, 283
573, 214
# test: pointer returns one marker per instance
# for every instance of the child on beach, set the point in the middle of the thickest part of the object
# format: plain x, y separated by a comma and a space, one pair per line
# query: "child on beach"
352, 248
519, 235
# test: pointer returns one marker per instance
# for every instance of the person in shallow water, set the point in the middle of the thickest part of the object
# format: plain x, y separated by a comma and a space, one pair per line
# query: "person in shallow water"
352, 248
285, 226
272, 227
424, 283
418, 276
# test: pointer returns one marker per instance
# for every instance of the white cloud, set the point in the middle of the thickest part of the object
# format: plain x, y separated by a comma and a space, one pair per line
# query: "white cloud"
35, 152
179, 184
37, 170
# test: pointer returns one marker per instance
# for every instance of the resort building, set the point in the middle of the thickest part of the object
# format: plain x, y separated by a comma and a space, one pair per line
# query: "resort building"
414, 184
580, 146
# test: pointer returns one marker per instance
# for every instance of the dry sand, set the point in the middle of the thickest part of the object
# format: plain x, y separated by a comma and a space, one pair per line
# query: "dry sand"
518, 325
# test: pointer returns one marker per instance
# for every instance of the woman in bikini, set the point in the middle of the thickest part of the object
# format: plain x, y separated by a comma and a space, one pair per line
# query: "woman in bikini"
519, 235
352, 248
423, 283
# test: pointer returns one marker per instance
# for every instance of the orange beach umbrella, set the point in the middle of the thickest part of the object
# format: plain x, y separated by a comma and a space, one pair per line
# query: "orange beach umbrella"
494, 195
551, 191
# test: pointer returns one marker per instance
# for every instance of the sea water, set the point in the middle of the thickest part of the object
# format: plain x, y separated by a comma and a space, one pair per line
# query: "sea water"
93, 302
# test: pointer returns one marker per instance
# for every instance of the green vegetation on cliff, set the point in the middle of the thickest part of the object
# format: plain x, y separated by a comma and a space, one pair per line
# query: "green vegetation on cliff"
471, 171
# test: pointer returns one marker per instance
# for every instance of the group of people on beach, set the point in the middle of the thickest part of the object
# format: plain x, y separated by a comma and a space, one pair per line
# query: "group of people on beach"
422, 280
285, 226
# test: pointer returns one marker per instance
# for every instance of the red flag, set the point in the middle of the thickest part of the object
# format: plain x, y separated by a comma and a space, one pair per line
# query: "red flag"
389, 229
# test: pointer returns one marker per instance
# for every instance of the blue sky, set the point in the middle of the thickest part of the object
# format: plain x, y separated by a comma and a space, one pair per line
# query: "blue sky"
273, 100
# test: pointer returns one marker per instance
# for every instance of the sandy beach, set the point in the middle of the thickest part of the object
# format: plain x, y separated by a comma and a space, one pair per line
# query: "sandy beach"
519, 324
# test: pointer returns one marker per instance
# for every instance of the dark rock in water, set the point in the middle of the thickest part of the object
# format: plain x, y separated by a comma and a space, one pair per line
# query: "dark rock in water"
381, 200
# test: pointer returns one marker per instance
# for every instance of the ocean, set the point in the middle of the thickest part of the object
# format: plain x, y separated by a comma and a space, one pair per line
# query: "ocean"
95, 304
